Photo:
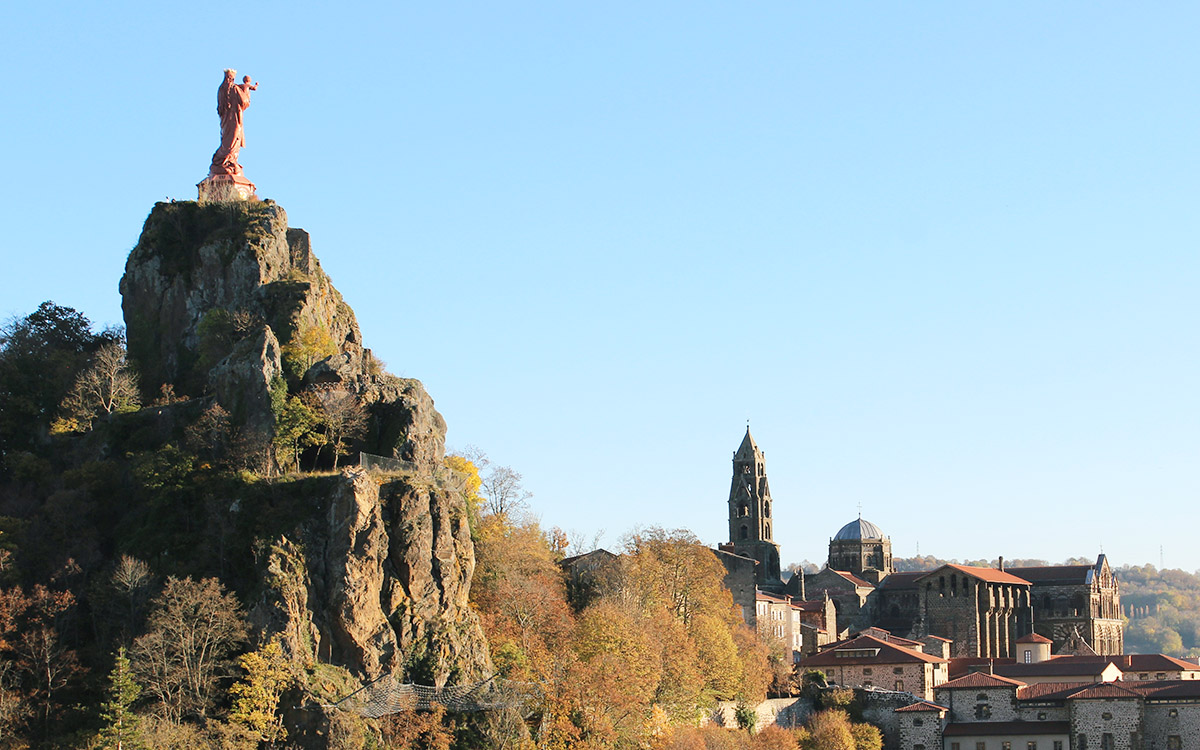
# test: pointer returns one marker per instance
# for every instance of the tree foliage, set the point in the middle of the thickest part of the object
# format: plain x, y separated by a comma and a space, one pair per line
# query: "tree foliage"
120, 731
40, 356
256, 695
342, 415
106, 386
193, 630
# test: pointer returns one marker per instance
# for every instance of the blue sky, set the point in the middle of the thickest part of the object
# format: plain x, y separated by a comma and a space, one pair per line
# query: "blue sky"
943, 256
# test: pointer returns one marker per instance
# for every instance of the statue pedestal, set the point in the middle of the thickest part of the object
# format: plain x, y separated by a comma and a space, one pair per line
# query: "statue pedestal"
226, 187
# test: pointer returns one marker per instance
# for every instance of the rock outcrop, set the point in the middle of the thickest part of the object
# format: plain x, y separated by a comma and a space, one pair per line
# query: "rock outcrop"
372, 575
225, 299
376, 581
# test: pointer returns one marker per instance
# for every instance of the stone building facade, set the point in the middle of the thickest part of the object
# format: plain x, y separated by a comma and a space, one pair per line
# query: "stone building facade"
991, 712
868, 662
848, 592
861, 549
750, 517
1082, 598
983, 610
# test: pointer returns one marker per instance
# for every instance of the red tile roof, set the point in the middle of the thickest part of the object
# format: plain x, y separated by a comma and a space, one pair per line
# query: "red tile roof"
1000, 728
886, 653
1050, 690
900, 580
1034, 638
816, 605
1104, 690
991, 575
1056, 668
979, 680
1152, 663
1045, 573
854, 579
922, 706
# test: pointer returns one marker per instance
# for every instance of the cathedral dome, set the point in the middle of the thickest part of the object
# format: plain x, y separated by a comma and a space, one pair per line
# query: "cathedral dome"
859, 529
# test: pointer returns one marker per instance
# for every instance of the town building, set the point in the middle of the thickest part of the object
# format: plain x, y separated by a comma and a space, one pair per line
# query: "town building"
801, 626
867, 661
1077, 598
989, 712
750, 518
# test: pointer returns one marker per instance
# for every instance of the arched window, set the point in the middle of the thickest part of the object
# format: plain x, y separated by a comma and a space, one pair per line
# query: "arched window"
766, 510
745, 533
743, 510
767, 530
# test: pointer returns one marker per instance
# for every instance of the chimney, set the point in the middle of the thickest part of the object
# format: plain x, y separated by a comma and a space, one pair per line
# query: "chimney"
1001, 562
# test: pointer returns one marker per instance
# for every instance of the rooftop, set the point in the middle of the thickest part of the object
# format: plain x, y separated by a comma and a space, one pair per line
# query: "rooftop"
860, 528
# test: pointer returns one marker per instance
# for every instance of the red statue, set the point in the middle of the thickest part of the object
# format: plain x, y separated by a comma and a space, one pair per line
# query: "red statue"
232, 100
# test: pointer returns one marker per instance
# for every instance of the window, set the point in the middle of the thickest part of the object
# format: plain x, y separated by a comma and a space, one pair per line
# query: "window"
900, 687
1174, 742
918, 722
867, 670
922, 747
1144, 676
1081, 744
983, 711
1041, 715
745, 532
897, 670
1106, 741
1173, 713
1160, 676
1031, 745
1106, 716
1058, 745
980, 746
1005, 746
955, 746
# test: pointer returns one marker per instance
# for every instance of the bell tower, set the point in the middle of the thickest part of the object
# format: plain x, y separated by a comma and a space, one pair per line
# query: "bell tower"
750, 514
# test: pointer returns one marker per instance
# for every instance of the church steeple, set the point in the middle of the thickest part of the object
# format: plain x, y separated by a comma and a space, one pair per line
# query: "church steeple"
750, 518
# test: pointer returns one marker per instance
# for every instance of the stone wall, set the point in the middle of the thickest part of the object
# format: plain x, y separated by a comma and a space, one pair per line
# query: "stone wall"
879, 708
917, 730
1121, 718
1164, 721
982, 704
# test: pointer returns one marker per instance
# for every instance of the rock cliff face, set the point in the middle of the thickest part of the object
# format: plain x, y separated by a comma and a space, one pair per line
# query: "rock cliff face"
224, 300
377, 582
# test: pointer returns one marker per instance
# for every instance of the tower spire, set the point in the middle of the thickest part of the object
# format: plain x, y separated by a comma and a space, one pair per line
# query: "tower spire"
750, 517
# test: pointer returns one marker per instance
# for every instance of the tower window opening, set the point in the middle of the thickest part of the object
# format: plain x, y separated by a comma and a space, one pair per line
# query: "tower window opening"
745, 532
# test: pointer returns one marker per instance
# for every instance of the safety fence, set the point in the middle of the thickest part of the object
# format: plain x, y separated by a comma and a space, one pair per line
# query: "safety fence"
441, 476
387, 695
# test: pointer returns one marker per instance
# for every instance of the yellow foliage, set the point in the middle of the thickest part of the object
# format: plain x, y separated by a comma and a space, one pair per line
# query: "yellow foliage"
256, 696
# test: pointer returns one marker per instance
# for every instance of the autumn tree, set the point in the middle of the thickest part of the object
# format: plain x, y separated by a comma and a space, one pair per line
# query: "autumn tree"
31, 642
256, 695
343, 416
503, 491
295, 431
866, 736
120, 730
193, 629
830, 730
107, 386
418, 730
308, 346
